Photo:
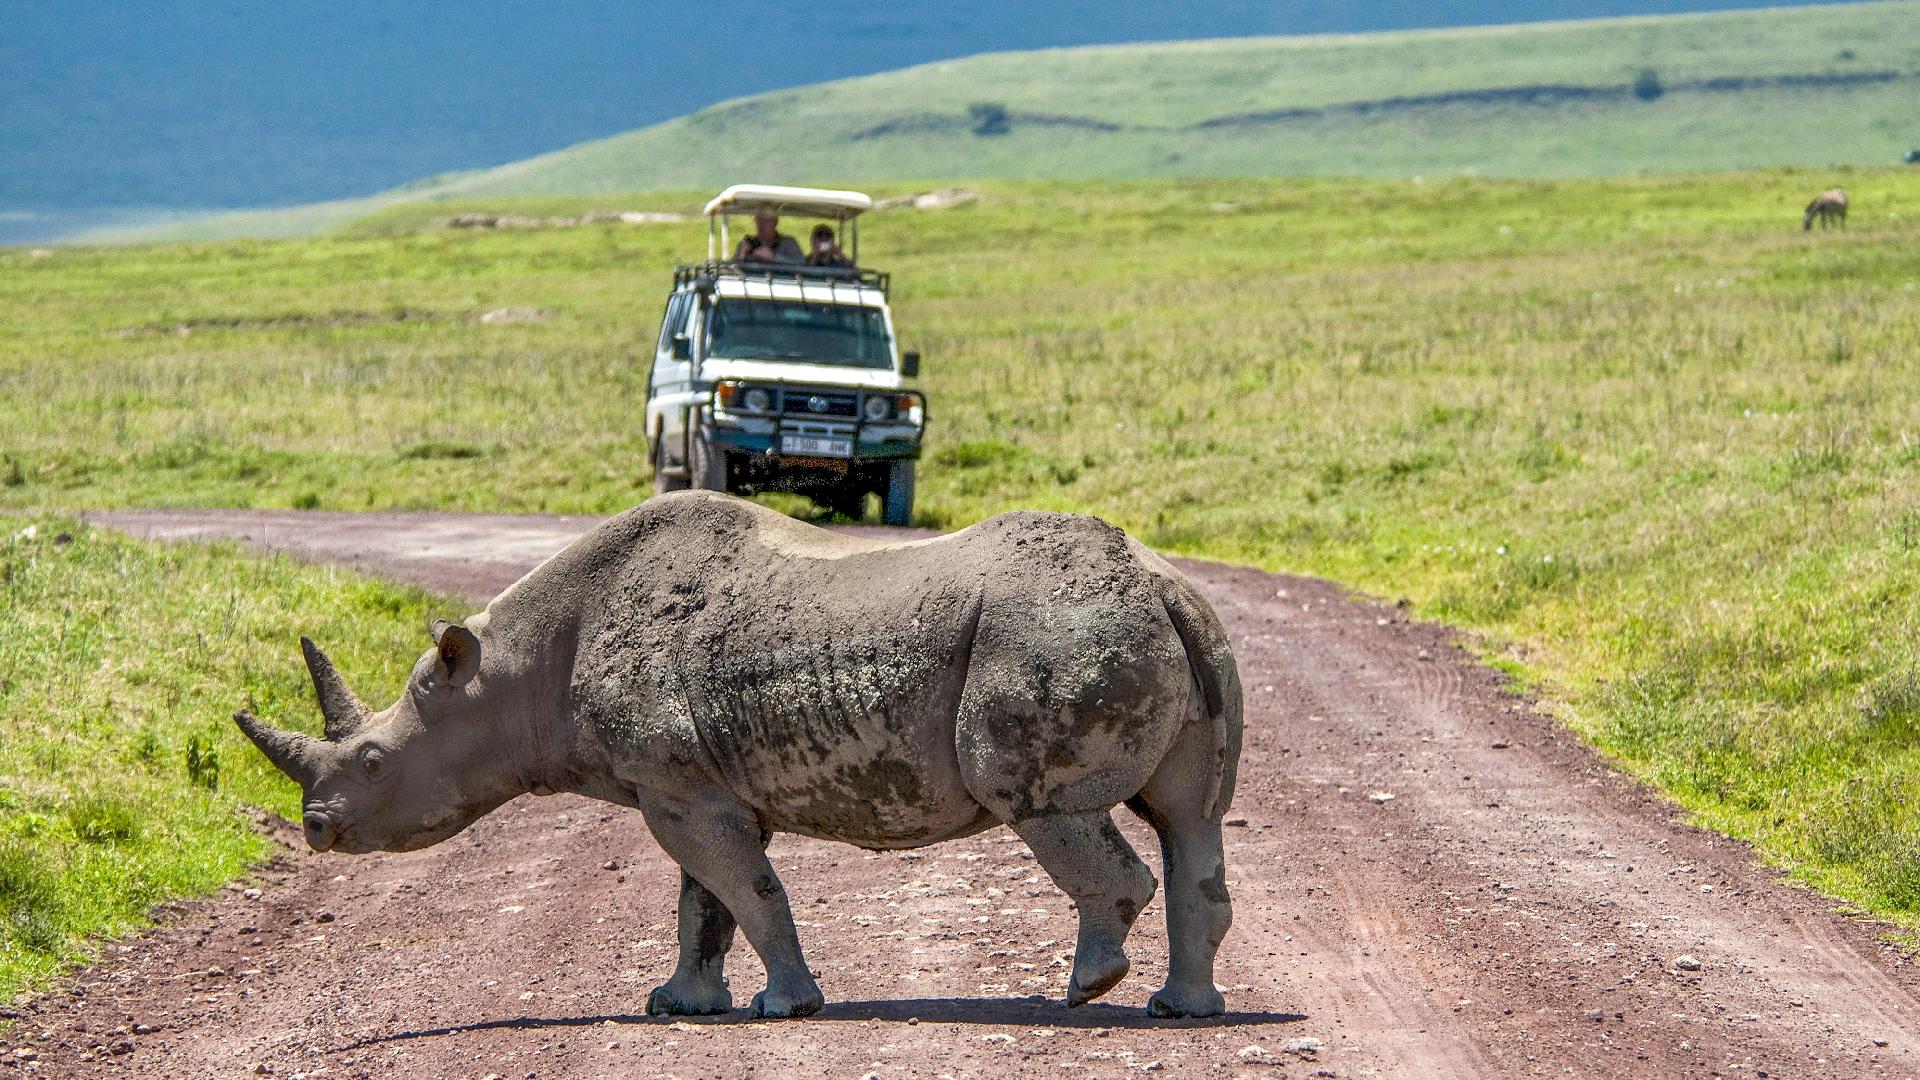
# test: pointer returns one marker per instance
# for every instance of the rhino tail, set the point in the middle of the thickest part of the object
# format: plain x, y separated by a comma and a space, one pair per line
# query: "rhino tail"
1218, 678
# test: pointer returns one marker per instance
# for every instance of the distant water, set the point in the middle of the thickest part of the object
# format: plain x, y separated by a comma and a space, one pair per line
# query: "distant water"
23, 227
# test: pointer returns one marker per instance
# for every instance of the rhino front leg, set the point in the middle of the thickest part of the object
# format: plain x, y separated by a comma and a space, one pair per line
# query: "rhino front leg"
698, 986
1091, 862
723, 849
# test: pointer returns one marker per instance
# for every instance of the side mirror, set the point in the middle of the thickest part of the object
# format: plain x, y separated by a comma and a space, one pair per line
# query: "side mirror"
910, 364
682, 347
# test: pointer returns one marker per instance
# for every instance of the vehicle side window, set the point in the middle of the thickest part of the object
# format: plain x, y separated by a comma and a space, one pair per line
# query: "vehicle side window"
673, 322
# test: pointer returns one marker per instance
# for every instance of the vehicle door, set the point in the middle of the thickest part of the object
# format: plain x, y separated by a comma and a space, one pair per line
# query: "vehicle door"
670, 382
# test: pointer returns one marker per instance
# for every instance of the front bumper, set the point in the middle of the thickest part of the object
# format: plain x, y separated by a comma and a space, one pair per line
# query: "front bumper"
760, 434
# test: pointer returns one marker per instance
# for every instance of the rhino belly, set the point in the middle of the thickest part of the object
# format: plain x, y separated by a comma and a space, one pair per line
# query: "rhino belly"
880, 793
847, 737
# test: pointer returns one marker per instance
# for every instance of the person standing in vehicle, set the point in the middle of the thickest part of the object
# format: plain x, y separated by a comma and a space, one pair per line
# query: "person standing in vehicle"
768, 243
824, 250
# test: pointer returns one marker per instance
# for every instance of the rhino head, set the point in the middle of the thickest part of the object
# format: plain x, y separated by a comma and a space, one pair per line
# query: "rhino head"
403, 778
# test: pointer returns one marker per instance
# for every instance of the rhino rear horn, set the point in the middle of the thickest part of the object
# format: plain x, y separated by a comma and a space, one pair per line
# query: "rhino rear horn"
292, 753
345, 713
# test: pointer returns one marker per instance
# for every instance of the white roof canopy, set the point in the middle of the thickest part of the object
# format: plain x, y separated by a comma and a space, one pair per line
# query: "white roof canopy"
799, 201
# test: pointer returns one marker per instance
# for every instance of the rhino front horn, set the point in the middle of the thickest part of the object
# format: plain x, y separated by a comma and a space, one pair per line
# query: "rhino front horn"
291, 752
345, 713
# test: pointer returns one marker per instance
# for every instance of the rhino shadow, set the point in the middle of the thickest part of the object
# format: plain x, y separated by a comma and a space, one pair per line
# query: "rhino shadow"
984, 1011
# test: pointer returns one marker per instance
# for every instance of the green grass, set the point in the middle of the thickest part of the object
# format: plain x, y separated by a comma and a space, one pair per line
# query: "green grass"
1833, 84
1654, 443
122, 782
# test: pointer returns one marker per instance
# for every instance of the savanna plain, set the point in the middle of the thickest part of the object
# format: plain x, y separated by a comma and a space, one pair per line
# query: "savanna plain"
1651, 444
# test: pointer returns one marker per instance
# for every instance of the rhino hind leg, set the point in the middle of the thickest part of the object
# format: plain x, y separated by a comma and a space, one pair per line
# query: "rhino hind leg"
1092, 863
723, 848
699, 985
1194, 865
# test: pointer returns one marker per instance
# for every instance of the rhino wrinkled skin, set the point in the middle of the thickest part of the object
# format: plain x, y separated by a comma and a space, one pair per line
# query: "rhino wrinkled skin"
732, 673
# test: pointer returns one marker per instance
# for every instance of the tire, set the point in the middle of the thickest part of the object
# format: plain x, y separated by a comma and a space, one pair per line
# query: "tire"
849, 502
663, 481
896, 503
706, 463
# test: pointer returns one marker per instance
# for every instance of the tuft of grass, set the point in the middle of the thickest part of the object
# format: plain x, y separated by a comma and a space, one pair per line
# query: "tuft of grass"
100, 818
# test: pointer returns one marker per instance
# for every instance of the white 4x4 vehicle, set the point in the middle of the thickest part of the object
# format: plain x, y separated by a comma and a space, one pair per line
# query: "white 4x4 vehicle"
775, 376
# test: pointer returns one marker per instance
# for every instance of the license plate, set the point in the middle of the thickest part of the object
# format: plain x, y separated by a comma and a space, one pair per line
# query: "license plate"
822, 445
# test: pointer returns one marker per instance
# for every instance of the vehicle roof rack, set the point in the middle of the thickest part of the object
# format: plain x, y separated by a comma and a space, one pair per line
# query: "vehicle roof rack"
784, 273
844, 207
798, 201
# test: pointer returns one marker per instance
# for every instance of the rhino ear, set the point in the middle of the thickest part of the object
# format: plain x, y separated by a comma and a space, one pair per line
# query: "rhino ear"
459, 652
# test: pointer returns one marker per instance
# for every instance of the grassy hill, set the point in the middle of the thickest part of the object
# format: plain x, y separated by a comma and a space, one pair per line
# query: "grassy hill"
1808, 86
123, 115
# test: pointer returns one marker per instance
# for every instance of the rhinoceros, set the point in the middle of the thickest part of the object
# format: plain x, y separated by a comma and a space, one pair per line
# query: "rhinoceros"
732, 673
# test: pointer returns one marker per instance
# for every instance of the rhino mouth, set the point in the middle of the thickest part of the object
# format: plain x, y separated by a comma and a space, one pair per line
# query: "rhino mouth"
325, 832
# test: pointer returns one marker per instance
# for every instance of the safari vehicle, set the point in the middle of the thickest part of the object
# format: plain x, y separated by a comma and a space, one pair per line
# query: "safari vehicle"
784, 377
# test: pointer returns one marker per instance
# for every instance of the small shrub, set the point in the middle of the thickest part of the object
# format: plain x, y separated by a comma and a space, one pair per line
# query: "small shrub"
203, 763
1333, 474
307, 500
1542, 458
13, 475
449, 451
989, 118
1646, 85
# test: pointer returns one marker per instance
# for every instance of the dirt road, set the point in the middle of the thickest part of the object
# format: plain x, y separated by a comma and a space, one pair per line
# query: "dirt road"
1429, 881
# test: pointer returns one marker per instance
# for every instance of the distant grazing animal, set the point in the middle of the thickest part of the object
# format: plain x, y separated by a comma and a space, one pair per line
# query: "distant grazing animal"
732, 673
1829, 206
1913, 157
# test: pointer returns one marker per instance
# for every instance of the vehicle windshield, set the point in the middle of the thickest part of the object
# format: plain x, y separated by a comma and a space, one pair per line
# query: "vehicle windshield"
790, 330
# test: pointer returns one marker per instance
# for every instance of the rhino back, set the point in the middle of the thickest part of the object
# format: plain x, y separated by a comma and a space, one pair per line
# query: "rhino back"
812, 675
820, 677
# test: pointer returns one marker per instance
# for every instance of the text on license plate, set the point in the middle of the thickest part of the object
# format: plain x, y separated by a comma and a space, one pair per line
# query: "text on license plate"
816, 444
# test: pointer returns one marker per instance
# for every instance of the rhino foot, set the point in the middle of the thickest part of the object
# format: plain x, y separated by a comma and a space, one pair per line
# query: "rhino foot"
685, 999
1176, 1002
1096, 970
780, 1003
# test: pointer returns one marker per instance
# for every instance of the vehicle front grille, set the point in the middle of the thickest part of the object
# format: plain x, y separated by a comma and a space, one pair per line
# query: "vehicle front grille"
819, 403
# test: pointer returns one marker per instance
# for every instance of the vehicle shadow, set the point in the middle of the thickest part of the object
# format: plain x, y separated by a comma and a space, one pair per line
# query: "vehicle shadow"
984, 1011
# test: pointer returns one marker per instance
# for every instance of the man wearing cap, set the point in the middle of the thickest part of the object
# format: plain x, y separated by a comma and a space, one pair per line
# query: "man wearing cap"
768, 243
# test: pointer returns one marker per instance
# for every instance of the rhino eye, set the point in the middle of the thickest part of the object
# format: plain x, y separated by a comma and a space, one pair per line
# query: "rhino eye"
372, 763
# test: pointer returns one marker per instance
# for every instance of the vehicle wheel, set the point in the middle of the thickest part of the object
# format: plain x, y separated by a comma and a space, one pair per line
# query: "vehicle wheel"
664, 481
896, 503
849, 502
706, 463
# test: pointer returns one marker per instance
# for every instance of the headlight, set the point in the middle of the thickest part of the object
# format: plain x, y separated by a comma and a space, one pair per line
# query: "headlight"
758, 400
877, 407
